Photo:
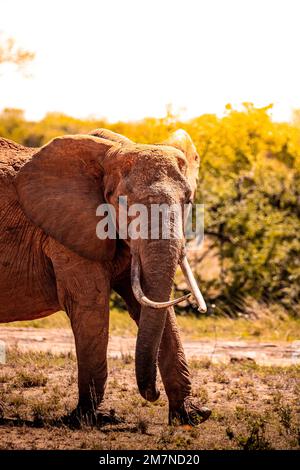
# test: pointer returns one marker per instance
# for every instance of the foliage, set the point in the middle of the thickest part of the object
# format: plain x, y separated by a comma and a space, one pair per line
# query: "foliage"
255, 438
249, 182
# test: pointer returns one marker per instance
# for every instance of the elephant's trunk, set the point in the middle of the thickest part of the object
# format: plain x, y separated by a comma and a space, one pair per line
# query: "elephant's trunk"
189, 277
159, 260
138, 292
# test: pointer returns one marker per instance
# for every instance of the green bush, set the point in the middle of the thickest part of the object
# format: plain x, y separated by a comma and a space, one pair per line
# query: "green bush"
250, 185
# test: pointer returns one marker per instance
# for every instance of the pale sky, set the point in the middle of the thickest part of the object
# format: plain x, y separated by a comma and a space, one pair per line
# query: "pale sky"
126, 59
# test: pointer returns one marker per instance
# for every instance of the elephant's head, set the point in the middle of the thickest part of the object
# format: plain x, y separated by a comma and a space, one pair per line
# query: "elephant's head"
61, 188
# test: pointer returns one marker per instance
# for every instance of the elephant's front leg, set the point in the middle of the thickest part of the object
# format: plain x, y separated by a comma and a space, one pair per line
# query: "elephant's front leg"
90, 328
183, 408
90, 324
83, 289
173, 366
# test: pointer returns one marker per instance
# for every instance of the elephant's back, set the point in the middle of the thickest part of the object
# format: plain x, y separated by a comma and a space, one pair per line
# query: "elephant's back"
12, 157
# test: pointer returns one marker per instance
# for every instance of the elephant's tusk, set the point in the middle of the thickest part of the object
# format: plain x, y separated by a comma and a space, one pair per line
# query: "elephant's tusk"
139, 294
189, 276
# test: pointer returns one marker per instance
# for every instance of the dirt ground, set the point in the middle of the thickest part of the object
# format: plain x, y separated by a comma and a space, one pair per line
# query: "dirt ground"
252, 388
60, 340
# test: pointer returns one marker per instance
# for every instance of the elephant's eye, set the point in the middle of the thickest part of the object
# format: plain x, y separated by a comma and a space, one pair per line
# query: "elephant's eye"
188, 197
182, 164
108, 194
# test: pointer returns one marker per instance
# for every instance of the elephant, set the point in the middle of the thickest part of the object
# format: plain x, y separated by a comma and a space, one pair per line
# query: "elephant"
52, 259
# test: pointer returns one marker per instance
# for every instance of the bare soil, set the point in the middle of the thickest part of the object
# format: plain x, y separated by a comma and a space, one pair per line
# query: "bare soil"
60, 340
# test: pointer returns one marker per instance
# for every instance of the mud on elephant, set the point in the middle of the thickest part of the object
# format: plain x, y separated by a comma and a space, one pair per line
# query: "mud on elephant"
51, 257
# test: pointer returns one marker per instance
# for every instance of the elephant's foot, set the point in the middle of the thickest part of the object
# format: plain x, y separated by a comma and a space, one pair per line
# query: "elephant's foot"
87, 417
189, 413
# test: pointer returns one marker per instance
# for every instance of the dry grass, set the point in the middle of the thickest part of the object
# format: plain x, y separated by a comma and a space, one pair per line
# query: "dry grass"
253, 407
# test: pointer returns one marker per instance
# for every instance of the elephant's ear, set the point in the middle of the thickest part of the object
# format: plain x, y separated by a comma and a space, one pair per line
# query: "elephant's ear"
110, 135
181, 140
60, 189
